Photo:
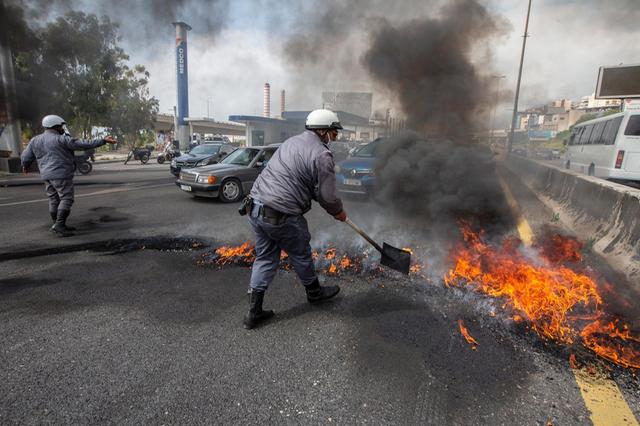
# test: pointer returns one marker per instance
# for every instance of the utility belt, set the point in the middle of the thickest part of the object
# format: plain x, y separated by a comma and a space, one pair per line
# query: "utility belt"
256, 208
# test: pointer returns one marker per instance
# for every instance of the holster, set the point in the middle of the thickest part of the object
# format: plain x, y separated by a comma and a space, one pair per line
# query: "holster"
245, 206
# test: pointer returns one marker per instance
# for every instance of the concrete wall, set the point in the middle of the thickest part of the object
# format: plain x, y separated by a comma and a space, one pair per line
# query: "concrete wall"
593, 208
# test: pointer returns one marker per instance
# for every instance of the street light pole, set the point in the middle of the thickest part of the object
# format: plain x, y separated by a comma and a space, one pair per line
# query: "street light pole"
515, 104
493, 115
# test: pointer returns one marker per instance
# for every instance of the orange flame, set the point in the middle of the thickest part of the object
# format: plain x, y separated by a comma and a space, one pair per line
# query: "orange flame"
548, 294
613, 342
573, 363
465, 333
330, 254
227, 255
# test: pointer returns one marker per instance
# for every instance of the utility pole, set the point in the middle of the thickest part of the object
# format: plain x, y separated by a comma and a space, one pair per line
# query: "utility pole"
515, 104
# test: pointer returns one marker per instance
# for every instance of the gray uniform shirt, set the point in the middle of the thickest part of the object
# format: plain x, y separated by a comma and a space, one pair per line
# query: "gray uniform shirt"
302, 169
54, 153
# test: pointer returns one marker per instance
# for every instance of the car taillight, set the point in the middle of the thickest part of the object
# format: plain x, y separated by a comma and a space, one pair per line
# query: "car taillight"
619, 159
211, 180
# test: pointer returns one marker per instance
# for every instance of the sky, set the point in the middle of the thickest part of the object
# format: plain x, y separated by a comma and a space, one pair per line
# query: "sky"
308, 47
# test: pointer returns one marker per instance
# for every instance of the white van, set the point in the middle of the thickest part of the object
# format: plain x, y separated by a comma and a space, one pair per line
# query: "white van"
606, 147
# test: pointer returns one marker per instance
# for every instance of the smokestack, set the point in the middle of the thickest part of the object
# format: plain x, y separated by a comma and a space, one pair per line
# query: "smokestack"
182, 130
266, 111
282, 103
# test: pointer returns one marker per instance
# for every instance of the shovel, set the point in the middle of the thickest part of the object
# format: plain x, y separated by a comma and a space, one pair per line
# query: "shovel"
392, 257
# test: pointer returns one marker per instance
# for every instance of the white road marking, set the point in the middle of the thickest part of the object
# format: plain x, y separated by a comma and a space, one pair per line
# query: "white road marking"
90, 194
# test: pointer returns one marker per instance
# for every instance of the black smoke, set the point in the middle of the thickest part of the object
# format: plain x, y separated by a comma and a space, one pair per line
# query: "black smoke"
439, 68
439, 182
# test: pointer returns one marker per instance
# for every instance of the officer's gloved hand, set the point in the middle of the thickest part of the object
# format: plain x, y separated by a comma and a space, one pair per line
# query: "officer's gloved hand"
342, 216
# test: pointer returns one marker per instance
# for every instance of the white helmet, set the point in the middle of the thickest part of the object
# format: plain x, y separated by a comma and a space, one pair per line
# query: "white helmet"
322, 119
51, 121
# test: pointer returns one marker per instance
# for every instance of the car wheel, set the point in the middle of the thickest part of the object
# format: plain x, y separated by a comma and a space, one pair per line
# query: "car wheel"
230, 191
85, 168
144, 158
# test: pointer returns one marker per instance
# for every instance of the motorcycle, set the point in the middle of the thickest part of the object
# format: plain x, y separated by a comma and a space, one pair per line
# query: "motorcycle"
140, 154
82, 162
168, 153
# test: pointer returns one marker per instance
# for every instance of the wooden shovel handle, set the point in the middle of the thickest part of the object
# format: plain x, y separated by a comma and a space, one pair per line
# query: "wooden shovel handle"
363, 234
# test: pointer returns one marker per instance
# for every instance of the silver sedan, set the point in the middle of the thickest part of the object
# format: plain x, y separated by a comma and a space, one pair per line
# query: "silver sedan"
231, 178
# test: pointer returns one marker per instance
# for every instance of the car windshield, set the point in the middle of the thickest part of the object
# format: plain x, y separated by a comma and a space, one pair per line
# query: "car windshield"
241, 156
205, 149
368, 150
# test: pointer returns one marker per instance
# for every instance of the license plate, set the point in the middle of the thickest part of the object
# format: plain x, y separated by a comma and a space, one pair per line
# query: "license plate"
352, 182
185, 187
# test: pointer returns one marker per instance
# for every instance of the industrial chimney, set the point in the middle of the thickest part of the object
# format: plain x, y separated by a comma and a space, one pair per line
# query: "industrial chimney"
282, 103
266, 111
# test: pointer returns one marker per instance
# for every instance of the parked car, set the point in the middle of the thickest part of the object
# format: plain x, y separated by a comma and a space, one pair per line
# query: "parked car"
340, 150
231, 178
201, 155
216, 138
355, 175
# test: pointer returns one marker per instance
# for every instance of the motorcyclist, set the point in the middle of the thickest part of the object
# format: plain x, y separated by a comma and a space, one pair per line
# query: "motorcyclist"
301, 170
53, 151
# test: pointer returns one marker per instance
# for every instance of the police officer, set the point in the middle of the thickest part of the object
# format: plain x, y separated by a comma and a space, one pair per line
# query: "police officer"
53, 151
301, 170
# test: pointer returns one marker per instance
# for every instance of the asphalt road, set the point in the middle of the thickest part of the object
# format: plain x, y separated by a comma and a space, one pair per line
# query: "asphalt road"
120, 325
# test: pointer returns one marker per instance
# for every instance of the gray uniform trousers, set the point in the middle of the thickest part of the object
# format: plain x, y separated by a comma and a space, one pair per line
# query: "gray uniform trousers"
293, 237
60, 193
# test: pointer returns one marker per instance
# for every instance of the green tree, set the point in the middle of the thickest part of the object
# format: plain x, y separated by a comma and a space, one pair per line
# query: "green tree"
133, 110
74, 67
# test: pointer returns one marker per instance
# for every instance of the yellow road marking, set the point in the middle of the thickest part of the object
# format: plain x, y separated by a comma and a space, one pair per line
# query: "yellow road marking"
601, 395
524, 230
604, 400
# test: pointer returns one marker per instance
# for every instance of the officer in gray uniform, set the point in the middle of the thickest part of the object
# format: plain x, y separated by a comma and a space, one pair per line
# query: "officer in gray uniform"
301, 170
53, 151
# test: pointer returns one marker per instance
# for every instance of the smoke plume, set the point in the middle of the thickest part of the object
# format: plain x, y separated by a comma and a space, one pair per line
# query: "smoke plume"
435, 65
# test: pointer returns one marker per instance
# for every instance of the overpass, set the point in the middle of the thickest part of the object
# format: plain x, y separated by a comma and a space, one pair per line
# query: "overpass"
165, 123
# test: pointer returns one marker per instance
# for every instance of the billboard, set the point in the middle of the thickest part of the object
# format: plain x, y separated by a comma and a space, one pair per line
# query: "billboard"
618, 82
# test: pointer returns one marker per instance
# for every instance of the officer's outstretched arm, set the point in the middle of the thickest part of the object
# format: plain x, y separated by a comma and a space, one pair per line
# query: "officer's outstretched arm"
77, 144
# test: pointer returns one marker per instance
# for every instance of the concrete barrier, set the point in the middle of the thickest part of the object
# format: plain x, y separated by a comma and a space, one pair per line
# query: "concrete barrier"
604, 212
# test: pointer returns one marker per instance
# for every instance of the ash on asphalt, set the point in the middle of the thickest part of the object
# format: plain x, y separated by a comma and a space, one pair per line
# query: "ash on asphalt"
113, 246
148, 336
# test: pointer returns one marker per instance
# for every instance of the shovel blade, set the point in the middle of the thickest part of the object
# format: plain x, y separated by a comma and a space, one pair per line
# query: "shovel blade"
395, 258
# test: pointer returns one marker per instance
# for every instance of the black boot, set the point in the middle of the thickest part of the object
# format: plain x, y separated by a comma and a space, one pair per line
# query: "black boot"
60, 227
54, 217
316, 293
256, 315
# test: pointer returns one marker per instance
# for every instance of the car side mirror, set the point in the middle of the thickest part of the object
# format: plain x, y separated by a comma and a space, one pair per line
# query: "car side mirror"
259, 164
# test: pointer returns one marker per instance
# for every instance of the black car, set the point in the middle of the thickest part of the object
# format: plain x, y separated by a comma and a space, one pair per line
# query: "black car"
201, 155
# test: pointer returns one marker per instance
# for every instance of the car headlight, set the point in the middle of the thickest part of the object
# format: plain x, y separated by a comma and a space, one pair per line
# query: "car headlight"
204, 162
210, 179
337, 169
174, 162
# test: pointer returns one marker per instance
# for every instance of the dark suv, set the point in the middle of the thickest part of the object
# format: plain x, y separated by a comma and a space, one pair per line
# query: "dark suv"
201, 155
